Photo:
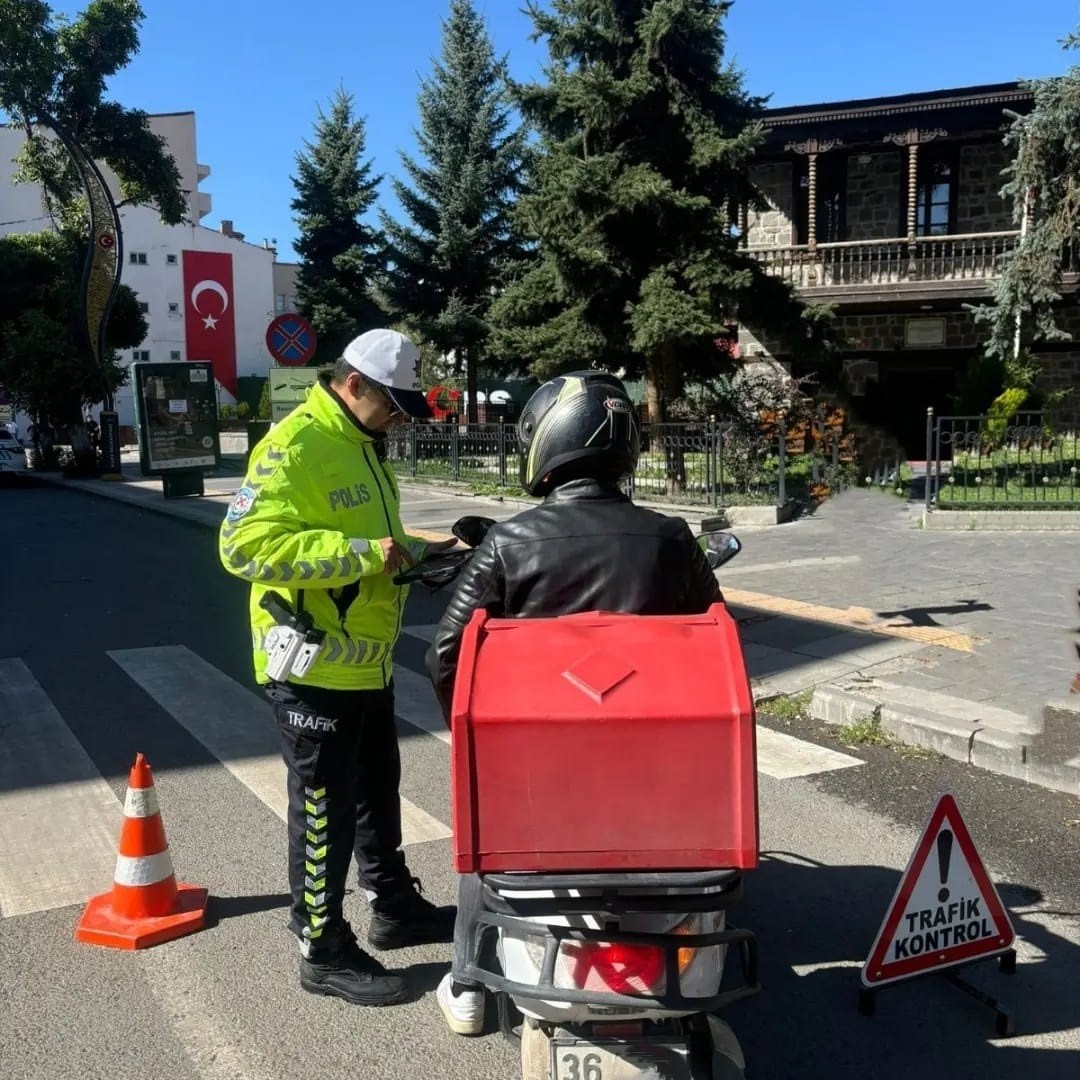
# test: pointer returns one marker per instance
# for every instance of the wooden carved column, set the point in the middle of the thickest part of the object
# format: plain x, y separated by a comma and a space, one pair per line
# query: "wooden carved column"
913, 139
811, 148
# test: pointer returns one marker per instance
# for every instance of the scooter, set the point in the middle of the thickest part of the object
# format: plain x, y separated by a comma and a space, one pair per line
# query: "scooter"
610, 975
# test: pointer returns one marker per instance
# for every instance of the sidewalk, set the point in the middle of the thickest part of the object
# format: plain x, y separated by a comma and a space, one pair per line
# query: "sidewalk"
956, 642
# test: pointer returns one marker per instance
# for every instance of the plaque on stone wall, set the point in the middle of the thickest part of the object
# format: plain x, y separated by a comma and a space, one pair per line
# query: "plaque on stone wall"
924, 333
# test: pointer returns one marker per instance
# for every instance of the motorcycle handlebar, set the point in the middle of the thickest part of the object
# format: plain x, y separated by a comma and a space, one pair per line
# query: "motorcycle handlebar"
438, 570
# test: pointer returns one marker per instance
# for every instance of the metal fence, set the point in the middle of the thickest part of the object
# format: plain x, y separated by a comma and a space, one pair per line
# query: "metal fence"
1019, 462
713, 463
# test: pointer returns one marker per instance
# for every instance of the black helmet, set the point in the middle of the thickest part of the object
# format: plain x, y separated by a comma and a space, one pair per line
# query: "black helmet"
577, 425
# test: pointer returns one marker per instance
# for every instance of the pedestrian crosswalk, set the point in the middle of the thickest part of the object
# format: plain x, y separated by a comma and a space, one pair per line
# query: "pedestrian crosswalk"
49, 788
59, 818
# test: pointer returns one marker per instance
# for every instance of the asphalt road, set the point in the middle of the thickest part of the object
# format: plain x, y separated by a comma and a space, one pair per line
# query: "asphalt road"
85, 578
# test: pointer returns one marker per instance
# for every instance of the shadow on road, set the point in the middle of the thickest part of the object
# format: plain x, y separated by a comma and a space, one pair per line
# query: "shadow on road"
232, 907
815, 926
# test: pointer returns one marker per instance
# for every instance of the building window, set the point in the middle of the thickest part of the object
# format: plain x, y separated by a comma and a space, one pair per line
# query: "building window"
279, 304
174, 355
935, 193
290, 303
144, 308
141, 356
170, 260
174, 308
935, 197
831, 217
137, 258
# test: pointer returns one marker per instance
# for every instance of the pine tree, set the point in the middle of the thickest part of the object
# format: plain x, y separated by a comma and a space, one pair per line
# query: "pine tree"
339, 252
1043, 186
444, 268
646, 144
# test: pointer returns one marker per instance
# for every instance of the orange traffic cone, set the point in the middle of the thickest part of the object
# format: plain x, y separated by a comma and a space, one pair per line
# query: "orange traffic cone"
145, 906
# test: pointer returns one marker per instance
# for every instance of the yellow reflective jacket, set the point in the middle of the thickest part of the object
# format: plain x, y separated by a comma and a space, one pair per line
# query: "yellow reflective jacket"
316, 490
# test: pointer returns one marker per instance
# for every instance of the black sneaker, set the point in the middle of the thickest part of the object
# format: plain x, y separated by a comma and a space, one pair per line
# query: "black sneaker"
353, 976
406, 918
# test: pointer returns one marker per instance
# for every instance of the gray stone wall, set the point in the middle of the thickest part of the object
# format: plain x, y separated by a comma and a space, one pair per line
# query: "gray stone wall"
979, 206
772, 228
874, 191
1061, 371
885, 333
875, 195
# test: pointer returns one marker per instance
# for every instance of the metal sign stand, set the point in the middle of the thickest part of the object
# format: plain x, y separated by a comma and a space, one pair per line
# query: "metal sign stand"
1004, 1020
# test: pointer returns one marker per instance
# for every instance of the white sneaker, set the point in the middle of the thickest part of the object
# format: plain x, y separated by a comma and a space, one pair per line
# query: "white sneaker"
465, 1012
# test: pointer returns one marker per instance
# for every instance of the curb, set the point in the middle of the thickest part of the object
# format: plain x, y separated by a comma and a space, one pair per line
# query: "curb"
208, 515
732, 517
198, 514
1001, 520
1043, 750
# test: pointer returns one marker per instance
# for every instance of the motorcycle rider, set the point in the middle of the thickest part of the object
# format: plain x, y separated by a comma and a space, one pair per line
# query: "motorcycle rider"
586, 547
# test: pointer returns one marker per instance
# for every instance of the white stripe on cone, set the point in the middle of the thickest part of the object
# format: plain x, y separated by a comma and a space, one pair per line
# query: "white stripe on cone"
140, 802
143, 869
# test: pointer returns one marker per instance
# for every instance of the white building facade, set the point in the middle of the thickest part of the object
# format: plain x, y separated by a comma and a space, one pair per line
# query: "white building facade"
194, 303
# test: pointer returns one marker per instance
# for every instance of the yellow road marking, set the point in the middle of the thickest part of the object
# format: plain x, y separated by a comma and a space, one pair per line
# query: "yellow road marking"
853, 617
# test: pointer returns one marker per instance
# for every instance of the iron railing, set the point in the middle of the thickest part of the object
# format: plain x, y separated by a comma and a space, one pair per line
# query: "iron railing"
988, 462
713, 462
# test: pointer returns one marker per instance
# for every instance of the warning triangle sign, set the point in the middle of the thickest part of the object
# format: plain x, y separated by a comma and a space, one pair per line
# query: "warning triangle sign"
946, 910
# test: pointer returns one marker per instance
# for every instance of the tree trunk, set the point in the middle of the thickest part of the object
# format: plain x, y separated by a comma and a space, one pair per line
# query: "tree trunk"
662, 386
471, 381
81, 450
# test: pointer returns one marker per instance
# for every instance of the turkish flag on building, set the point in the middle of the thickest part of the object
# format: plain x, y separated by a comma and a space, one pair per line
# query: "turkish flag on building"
210, 314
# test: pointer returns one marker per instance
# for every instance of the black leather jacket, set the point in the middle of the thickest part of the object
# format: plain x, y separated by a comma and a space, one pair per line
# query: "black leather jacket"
587, 547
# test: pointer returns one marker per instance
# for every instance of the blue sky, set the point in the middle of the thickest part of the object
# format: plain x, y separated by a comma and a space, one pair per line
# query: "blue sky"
254, 71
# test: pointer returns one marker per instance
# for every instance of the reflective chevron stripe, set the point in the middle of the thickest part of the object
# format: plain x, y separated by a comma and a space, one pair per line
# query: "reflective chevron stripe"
315, 802
342, 566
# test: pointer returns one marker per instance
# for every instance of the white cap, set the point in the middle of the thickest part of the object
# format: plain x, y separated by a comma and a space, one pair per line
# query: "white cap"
393, 361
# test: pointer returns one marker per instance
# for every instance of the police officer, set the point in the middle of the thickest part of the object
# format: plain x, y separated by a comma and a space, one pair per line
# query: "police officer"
316, 530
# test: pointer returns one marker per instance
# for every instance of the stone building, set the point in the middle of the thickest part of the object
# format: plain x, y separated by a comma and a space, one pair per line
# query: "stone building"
889, 209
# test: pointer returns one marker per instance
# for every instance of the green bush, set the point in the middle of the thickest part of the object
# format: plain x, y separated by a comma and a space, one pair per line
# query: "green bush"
1002, 409
262, 412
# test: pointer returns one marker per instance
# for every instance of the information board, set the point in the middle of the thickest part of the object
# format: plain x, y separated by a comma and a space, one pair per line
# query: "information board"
176, 414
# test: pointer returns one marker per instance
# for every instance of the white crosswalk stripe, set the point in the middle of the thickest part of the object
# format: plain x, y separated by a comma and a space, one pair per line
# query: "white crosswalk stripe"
414, 702
50, 793
233, 724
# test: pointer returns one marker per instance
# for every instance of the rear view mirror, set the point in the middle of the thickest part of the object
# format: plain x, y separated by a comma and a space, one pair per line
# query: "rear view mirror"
719, 547
471, 530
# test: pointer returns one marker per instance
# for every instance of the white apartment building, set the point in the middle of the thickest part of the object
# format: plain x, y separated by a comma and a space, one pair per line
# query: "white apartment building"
153, 261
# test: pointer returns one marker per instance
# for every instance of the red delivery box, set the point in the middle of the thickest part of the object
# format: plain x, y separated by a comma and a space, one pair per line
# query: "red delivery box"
603, 742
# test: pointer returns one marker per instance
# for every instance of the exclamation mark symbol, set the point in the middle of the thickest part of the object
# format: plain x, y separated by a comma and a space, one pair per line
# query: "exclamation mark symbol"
944, 850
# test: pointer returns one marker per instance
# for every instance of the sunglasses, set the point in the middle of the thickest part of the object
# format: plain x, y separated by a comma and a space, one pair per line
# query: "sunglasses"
391, 405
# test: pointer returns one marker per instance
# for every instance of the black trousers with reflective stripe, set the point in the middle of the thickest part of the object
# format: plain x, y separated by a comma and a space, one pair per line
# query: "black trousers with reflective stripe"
344, 771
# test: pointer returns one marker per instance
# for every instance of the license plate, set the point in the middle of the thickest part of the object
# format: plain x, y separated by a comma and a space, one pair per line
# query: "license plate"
637, 1060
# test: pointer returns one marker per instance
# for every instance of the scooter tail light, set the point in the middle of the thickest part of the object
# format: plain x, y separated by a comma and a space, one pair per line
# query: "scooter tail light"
615, 966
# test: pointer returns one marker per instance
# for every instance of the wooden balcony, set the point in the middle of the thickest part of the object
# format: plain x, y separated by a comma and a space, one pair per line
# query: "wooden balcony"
892, 269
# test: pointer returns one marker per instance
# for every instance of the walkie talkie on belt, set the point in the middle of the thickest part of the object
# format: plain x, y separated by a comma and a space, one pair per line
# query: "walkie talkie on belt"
292, 645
